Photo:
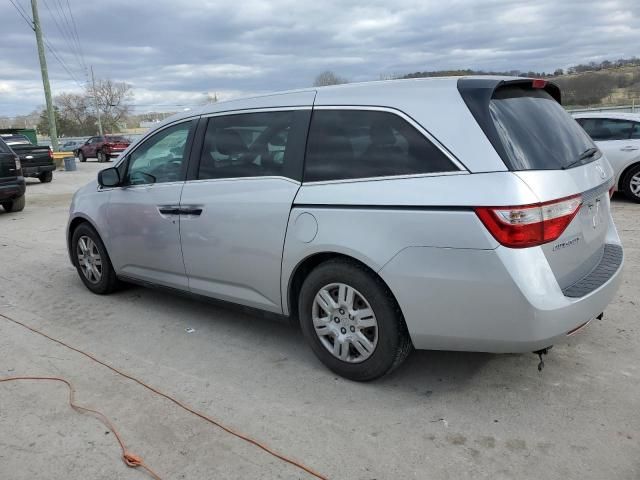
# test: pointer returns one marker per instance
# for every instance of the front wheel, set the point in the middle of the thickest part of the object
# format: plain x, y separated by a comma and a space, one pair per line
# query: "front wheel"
15, 205
352, 322
631, 184
92, 261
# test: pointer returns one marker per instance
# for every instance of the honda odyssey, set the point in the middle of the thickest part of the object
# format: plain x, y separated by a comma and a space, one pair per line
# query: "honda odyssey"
466, 213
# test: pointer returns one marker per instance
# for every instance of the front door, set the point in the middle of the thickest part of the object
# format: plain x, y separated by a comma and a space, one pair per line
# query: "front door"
143, 214
235, 213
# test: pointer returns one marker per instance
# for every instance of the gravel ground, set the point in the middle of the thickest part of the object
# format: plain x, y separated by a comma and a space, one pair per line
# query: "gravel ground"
443, 415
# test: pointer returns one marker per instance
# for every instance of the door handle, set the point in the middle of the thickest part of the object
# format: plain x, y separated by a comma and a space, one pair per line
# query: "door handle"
169, 209
196, 211
629, 148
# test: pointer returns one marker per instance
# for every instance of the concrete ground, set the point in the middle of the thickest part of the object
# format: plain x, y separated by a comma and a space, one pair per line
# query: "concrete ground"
442, 415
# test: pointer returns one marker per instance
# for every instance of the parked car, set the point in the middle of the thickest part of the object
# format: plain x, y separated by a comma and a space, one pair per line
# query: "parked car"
36, 160
450, 214
72, 146
12, 185
618, 136
104, 148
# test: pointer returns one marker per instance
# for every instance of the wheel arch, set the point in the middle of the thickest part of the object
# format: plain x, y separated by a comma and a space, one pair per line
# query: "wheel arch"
623, 174
74, 223
304, 268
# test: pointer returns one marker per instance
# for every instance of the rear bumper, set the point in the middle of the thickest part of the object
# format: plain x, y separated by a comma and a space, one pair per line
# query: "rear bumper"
501, 300
35, 170
9, 191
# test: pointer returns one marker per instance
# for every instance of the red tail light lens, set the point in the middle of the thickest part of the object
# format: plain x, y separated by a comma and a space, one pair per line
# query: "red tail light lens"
530, 225
50, 153
612, 191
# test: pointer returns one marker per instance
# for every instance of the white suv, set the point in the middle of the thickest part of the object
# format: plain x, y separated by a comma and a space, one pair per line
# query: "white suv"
618, 136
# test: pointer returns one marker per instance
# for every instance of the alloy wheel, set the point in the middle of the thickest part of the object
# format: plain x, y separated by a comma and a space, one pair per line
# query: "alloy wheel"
89, 259
634, 184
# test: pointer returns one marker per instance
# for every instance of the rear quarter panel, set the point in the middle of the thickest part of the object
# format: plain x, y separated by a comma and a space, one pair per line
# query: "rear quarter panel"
374, 220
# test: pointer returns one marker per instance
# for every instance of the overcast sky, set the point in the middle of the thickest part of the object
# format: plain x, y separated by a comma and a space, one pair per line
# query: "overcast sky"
173, 52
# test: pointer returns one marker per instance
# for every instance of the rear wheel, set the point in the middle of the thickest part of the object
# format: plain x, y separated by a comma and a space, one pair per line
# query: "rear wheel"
352, 322
15, 205
92, 261
631, 184
81, 157
45, 177
101, 156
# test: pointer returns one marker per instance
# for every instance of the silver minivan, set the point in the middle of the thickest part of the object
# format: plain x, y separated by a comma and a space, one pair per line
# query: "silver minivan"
467, 213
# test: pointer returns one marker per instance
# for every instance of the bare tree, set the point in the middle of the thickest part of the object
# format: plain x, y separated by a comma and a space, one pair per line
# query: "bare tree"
113, 101
75, 107
328, 78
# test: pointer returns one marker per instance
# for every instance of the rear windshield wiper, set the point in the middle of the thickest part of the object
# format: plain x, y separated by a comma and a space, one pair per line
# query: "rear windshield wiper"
588, 153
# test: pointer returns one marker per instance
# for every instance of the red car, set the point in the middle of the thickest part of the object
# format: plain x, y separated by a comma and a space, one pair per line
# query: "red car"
103, 148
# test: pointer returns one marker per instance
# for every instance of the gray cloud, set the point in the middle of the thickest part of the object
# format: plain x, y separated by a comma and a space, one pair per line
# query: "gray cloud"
173, 52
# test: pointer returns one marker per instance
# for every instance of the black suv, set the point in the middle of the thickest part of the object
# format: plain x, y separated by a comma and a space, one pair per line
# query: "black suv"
12, 185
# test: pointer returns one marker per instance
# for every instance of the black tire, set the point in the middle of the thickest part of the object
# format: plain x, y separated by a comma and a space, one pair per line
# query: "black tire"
626, 183
108, 281
394, 343
45, 177
15, 205
101, 156
81, 157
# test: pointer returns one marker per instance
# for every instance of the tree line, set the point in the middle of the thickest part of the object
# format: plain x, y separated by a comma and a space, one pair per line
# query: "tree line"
582, 85
77, 113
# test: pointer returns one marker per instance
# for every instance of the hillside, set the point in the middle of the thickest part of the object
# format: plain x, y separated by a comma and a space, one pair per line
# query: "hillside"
594, 84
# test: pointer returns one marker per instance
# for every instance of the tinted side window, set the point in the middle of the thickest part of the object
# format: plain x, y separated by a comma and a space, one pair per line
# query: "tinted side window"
607, 128
347, 144
3, 147
254, 145
159, 158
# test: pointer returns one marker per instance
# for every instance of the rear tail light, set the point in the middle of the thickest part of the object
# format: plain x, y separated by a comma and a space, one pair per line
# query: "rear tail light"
611, 191
50, 154
530, 225
18, 164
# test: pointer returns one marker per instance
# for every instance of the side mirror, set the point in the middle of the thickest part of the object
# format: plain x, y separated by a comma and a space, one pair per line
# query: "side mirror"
109, 177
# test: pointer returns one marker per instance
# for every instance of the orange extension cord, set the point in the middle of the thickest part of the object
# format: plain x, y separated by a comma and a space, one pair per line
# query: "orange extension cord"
130, 459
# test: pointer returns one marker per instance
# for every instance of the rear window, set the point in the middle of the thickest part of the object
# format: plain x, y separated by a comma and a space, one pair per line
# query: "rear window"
16, 140
536, 132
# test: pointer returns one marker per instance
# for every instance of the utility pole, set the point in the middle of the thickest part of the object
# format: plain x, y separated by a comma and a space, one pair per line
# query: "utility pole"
95, 99
53, 131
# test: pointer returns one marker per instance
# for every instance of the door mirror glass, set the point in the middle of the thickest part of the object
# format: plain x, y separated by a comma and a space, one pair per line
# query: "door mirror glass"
109, 177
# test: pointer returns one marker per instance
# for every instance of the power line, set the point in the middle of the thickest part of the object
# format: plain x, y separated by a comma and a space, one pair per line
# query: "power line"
66, 36
23, 14
70, 30
75, 30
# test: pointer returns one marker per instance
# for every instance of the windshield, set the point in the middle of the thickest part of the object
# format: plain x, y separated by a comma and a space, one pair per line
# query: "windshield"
536, 132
